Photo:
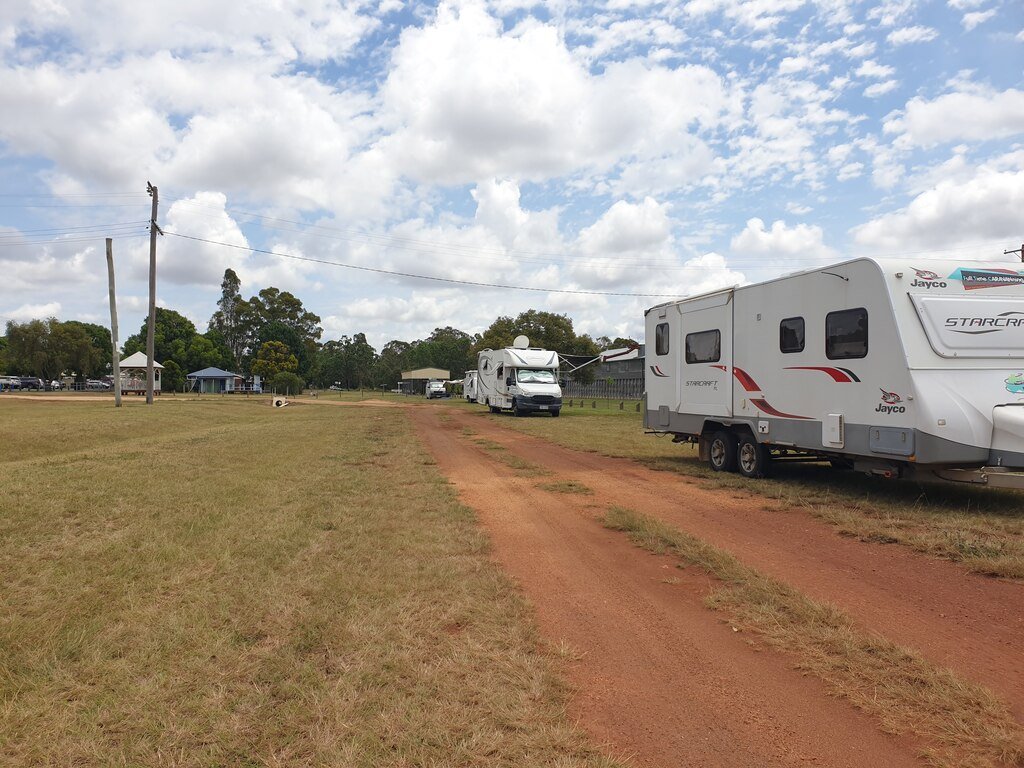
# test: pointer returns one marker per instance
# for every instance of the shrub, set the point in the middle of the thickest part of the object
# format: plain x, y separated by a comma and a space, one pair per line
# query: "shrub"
286, 383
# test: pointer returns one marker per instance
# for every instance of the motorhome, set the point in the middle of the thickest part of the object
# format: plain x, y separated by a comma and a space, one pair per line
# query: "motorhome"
519, 378
890, 367
469, 386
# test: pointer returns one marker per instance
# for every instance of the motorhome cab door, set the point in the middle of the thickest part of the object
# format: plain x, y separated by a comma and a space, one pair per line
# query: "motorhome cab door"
705, 355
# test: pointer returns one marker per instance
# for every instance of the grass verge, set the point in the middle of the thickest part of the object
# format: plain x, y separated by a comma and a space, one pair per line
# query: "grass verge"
960, 723
983, 528
223, 583
566, 486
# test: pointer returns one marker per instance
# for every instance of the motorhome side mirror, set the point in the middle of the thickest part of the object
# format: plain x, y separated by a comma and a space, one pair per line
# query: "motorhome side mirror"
563, 382
508, 381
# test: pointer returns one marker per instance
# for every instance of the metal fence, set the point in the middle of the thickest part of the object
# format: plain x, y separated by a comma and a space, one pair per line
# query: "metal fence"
631, 388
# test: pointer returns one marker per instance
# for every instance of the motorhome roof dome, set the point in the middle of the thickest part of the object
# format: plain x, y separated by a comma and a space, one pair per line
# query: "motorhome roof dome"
521, 342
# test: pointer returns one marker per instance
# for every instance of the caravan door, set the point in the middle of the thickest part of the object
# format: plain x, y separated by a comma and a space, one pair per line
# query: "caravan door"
705, 356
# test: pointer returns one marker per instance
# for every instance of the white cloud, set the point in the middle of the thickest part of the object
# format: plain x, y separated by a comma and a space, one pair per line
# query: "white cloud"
781, 244
850, 171
190, 262
874, 69
979, 115
985, 207
33, 312
971, 20
880, 89
963, 5
912, 35
465, 101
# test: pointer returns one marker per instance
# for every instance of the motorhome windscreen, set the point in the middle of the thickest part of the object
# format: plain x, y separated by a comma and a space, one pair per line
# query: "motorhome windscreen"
535, 376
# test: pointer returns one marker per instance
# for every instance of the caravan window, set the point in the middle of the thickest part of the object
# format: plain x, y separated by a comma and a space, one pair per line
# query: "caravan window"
791, 335
846, 334
703, 347
661, 339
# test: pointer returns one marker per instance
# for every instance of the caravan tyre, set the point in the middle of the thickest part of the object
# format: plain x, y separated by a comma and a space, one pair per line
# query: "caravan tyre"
752, 458
722, 452
555, 412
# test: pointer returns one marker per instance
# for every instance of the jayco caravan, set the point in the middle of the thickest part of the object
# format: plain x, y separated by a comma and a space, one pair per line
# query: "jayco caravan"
521, 378
885, 366
469, 386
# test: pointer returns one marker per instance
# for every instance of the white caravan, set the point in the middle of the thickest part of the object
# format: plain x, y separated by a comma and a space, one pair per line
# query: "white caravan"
886, 366
519, 378
469, 386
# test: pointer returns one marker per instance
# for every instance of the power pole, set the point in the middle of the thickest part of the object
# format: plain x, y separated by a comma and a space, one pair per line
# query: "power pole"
154, 228
1016, 250
113, 323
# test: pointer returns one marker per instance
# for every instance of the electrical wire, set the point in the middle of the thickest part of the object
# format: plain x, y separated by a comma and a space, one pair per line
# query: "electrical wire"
395, 273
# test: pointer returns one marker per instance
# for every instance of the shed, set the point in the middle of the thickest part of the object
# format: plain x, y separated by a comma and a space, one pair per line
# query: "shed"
415, 382
133, 374
215, 381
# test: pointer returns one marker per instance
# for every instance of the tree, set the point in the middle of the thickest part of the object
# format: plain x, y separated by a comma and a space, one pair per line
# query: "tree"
447, 348
228, 319
98, 358
173, 332
277, 330
173, 378
286, 384
348, 361
393, 359
274, 358
48, 348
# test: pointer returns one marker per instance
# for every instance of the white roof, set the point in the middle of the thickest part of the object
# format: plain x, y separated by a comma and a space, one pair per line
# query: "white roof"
138, 360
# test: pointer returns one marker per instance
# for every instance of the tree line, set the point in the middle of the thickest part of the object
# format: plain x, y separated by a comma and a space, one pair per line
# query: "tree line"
273, 335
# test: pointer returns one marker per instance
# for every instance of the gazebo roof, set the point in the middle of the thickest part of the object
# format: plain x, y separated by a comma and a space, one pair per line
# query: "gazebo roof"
213, 373
138, 360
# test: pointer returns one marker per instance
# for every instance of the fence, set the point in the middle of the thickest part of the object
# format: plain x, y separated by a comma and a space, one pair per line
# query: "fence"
614, 389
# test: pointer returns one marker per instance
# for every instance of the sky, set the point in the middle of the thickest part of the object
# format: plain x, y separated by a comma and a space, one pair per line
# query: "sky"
607, 156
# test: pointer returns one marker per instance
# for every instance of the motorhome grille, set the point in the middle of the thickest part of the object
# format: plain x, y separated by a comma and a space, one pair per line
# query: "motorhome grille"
543, 399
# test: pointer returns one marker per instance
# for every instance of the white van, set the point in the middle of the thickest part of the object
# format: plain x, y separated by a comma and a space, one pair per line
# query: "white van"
435, 388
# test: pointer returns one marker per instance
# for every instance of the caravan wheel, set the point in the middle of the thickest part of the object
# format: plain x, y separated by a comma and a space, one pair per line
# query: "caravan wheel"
722, 452
752, 458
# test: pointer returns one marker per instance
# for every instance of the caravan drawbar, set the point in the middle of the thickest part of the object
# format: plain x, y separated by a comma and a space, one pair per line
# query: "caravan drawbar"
892, 367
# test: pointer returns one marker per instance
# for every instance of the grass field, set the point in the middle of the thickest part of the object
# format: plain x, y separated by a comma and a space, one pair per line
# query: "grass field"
980, 527
221, 583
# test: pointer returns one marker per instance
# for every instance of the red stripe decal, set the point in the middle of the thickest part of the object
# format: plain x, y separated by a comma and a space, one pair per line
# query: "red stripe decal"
762, 405
745, 381
835, 373
720, 367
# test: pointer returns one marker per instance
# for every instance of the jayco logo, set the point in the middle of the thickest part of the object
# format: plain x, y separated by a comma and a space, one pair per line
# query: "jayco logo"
927, 279
890, 403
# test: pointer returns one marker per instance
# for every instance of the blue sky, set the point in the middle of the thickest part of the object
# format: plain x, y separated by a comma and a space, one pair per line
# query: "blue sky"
631, 147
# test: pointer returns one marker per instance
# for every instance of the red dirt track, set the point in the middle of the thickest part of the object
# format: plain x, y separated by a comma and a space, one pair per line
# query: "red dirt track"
658, 677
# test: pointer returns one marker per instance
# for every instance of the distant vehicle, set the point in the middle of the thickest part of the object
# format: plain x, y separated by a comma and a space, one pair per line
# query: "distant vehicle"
10, 383
877, 365
519, 378
31, 382
97, 384
54, 385
435, 388
469, 386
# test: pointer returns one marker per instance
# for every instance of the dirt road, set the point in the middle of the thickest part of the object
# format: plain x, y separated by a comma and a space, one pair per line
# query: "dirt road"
659, 677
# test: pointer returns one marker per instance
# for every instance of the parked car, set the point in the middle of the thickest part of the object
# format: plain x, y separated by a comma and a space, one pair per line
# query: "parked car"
30, 382
97, 384
54, 385
9, 383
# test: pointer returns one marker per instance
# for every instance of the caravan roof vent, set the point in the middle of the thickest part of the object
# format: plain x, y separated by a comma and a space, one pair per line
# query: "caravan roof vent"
521, 342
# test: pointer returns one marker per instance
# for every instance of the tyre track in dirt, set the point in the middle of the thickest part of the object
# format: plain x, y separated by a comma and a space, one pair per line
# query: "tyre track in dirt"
969, 623
657, 677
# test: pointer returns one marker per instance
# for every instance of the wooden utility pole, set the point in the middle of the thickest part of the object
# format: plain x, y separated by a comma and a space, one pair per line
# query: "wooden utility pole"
113, 323
1019, 251
151, 326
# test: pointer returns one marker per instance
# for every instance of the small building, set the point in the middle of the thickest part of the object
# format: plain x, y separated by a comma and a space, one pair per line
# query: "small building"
133, 374
215, 381
415, 382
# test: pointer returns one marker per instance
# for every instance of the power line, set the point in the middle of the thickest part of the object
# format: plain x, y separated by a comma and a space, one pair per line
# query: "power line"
395, 273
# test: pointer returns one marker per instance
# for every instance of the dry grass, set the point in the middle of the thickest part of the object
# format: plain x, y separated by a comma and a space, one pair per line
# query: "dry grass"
961, 724
520, 465
220, 583
983, 528
566, 486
